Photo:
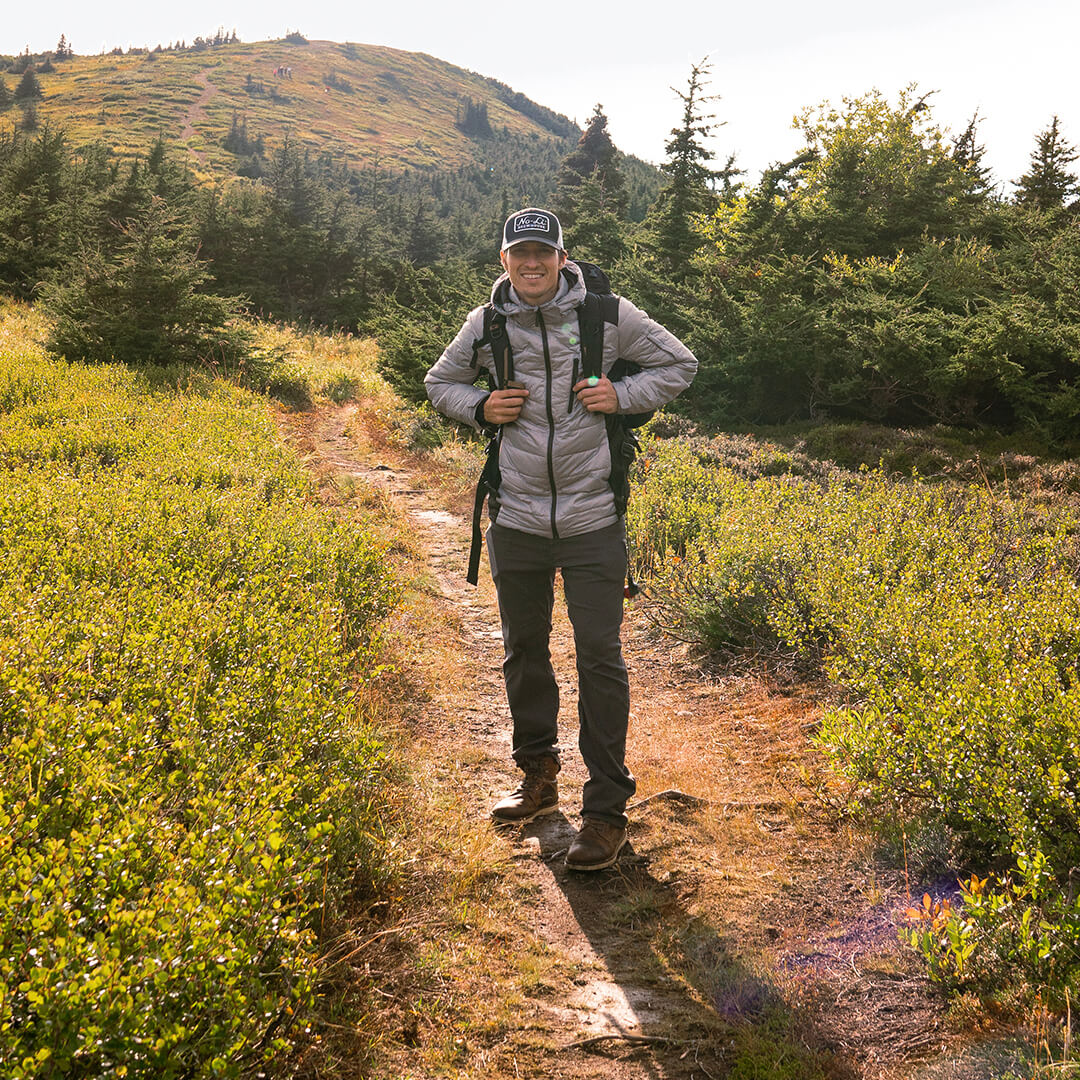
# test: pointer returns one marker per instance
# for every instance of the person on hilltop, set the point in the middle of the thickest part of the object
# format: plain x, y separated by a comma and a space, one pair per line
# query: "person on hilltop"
554, 505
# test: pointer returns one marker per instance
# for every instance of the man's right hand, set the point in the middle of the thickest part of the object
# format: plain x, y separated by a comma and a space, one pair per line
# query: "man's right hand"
504, 406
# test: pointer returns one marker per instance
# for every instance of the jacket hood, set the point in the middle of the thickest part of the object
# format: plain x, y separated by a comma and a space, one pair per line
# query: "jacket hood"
505, 301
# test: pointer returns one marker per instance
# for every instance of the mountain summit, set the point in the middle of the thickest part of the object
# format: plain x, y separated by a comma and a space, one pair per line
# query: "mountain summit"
357, 103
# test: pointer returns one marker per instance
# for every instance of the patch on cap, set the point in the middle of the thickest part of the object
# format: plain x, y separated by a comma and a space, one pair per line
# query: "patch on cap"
532, 223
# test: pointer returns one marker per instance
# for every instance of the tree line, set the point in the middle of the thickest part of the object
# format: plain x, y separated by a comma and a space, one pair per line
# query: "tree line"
305, 237
878, 275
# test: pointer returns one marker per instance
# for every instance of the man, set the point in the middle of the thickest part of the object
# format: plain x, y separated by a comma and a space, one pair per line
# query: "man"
555, 509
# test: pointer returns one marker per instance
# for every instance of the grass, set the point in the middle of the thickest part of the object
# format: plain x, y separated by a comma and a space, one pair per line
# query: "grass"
310, 365
444, 972
409, 99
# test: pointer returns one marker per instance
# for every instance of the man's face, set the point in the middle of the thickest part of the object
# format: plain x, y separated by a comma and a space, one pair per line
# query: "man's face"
534, 270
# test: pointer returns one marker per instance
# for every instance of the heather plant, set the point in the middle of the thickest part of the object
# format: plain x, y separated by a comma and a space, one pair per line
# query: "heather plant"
189, 785
947, 614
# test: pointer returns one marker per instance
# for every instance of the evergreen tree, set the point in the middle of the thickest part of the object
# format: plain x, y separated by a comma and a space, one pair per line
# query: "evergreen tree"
878, 176
596, 233
594, 156
29, 89
472, 118
37, 221
1048, 185
64, 51
424, 242
155, 162
141, 299
5, 95
688, 192
969, 155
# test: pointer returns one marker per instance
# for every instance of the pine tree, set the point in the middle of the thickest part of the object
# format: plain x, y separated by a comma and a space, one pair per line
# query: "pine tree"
1048, 185
472, 118
596, 233
30, 120
969, 155
38, 214
29, 89
594, 156
141, 298
5, 95
688, 192
424, 242
64, 51
155, 162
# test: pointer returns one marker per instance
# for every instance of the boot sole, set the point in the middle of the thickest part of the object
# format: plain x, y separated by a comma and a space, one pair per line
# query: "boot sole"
582, 867
528, 817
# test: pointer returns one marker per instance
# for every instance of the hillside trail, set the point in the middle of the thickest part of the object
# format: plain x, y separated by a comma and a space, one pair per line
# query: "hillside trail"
743, 918
197, 113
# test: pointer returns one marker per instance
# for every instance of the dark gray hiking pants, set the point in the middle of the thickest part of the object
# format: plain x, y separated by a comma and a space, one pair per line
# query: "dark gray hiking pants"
593, 571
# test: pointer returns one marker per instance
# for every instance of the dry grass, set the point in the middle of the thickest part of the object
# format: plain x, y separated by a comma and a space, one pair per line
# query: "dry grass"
400, 106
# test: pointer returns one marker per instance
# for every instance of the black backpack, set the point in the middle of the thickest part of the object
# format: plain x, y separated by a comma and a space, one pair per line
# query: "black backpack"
601, 306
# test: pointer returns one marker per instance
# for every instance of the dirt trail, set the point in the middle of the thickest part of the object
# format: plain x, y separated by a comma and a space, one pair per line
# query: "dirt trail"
197, 113
749, 924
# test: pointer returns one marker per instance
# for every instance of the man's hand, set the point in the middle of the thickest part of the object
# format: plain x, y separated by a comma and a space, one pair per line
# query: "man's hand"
597, 394
504, 406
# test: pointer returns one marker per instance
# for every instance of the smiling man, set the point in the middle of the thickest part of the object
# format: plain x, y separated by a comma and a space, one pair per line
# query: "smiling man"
554, 507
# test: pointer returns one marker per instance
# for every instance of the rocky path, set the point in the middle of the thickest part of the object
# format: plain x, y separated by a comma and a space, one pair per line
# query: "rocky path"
739, 921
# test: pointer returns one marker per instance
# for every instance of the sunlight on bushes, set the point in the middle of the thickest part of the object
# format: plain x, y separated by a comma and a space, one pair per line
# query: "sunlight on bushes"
186, 776
947, 614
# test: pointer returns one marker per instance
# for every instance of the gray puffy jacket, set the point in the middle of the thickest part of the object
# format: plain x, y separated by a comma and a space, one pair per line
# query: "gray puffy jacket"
554, 458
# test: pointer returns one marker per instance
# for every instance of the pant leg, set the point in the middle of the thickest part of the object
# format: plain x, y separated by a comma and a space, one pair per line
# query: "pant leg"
594, 572
524, 576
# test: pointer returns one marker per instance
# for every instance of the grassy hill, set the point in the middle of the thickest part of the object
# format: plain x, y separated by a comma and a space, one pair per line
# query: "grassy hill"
353, 101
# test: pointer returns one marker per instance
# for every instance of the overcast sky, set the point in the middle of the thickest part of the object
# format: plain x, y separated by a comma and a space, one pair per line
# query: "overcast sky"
1016, 64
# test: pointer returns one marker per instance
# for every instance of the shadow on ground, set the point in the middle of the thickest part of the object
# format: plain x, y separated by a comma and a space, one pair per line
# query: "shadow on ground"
672, 995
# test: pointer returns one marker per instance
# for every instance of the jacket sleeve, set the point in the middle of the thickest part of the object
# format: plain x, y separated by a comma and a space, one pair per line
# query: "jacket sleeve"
449, 381
667, 365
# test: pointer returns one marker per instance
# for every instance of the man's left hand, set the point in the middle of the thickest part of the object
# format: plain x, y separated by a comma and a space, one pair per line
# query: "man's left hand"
597, 395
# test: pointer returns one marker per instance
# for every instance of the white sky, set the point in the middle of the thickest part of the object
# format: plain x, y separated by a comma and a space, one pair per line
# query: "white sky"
1016, 63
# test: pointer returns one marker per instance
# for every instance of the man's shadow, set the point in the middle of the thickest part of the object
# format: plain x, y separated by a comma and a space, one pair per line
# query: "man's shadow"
687, 1005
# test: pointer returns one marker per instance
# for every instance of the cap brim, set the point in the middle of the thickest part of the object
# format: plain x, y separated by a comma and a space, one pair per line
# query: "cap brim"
530, 240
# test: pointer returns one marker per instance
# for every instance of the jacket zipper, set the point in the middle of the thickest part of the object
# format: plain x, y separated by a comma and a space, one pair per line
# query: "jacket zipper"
551, 423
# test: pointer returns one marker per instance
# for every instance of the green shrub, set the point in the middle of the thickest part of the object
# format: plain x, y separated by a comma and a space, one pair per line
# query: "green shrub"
948, 615
1022, 921
185, 774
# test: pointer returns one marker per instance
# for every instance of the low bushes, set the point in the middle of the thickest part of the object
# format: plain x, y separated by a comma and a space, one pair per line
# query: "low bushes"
948, 614
185, 780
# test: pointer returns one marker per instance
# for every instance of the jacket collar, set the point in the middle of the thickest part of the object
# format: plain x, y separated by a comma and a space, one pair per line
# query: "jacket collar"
571, 294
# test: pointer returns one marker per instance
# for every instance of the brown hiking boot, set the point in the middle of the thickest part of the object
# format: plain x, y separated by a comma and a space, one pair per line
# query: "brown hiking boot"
538, 794
596, 847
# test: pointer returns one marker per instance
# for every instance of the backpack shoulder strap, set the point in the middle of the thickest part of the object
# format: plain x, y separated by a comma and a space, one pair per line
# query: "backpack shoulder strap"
486, 487
485, 336
596, 310
494, 335
501, 354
